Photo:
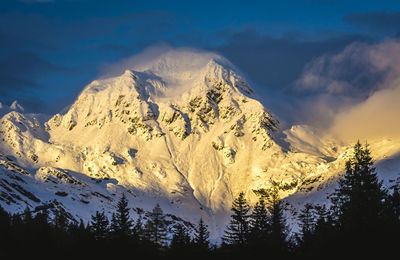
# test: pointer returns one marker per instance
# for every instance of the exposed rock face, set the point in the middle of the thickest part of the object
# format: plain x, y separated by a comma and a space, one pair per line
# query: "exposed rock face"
184, 130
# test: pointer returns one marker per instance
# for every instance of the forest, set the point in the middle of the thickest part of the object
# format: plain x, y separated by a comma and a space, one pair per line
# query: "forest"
362, 220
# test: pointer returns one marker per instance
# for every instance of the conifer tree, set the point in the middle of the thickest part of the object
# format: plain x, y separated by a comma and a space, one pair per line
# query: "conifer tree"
121, 221
138, 229
237, 231
99, 225
260, 223
307, 225
278, 227
359, 197
201, 237
358, 202
61, 221
156, 227
180, 242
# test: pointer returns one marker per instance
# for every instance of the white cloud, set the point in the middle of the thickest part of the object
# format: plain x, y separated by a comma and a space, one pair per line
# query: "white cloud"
362, 84
376, 118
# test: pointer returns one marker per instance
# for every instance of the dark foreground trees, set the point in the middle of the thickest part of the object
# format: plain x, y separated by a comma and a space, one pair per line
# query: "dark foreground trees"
362, 219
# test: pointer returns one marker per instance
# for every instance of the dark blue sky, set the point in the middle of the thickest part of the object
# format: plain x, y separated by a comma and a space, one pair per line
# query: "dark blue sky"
49, 50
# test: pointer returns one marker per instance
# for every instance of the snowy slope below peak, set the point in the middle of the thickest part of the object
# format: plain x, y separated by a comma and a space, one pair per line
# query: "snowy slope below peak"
184, 130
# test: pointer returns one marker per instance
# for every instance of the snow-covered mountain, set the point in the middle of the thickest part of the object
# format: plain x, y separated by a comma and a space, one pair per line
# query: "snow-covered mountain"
184, 130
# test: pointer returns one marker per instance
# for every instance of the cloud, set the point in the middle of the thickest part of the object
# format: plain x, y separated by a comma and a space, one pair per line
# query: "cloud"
356, 71
275, 62
375, 118
362, 83
147, 55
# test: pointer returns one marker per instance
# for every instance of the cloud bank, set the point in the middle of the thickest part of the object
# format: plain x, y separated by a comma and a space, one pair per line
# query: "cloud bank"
350, 95
362, 85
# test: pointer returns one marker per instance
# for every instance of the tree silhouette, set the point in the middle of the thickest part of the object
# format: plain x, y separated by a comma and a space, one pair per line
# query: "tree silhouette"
180, 242
121, 222
260, 223
358, 202
156, 227
99, 225
237, 230
201, 238
278, 227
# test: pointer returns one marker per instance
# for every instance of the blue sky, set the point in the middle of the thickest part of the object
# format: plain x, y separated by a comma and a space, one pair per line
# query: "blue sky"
49, 50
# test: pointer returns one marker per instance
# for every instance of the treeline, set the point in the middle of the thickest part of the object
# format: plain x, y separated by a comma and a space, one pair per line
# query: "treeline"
42, 235
362, 220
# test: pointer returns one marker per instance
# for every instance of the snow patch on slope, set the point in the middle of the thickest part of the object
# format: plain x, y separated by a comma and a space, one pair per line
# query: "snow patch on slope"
183, 130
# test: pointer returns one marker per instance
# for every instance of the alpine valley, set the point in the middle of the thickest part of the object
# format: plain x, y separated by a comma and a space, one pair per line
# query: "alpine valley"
184, 130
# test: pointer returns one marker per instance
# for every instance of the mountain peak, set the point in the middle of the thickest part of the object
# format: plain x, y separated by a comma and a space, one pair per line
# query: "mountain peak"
179, 61
172, 76
182, 127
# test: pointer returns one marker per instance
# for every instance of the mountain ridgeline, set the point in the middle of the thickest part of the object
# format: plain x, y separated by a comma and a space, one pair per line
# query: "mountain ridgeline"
184, 130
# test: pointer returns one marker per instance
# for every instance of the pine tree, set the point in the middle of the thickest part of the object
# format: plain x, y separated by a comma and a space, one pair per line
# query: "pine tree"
324, 234
61, 221
180, 242
358, 202
156, 227
359, 197
201, 236
138, 229
121, 221
307, 225
278, 227
99, 225
260, 223
237, 231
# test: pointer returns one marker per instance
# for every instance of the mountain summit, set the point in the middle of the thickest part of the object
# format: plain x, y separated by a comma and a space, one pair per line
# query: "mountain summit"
183, 129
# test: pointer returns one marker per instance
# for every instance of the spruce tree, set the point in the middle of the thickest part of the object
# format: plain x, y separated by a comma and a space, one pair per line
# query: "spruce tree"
99, 225
278, 227
121, 221
156, 227
260, 223
237, 231
138, 230
201, 237
61, 221
358, 202
324, 234
180, 242
307, 225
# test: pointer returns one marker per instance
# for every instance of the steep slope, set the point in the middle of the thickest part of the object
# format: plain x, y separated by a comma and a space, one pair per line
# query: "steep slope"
184, 130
